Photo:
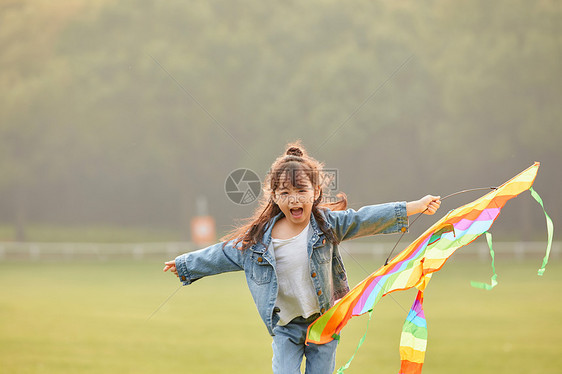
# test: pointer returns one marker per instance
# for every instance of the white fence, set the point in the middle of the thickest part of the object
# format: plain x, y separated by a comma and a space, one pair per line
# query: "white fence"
14, 251
90, 251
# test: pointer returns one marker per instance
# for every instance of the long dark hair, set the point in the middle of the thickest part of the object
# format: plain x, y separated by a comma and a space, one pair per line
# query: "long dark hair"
294, 160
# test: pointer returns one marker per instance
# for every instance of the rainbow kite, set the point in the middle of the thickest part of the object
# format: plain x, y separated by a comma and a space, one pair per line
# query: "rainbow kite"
414, 266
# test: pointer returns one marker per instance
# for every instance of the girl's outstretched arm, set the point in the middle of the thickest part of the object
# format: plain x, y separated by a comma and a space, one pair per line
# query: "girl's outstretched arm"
215, 259
428, 205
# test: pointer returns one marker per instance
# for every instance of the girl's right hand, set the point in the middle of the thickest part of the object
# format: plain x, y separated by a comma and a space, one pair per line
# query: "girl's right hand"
171, 265
427, 205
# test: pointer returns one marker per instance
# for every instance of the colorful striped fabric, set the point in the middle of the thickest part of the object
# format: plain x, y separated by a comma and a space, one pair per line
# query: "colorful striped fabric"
414, 338
413, 268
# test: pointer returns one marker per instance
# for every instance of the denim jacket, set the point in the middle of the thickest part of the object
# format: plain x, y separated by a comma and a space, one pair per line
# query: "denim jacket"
326, 267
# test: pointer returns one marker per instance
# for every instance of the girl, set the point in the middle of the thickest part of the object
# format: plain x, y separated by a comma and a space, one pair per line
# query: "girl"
289, 253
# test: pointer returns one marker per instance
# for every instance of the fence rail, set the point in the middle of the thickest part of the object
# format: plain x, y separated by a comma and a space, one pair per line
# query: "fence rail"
90, 251
14, 251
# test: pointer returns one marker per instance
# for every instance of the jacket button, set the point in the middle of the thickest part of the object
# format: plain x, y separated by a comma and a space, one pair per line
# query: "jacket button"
313, 275
403, 229
183, 278
324, 241
276, 310
260, 259
319, 292
322, 310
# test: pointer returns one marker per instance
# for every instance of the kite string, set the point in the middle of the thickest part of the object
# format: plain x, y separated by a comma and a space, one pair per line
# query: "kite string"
420, 214
164, 303
469, 190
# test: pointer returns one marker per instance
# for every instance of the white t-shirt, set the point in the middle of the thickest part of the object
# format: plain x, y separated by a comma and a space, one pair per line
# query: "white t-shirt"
296, 296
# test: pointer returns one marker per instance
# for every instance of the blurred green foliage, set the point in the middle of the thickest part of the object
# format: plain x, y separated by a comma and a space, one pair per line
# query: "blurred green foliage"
122, 113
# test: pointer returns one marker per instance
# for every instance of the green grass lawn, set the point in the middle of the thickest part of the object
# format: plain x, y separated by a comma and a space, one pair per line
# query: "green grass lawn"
78, 317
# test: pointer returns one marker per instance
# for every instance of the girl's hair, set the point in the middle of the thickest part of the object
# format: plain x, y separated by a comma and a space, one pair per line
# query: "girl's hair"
290, 165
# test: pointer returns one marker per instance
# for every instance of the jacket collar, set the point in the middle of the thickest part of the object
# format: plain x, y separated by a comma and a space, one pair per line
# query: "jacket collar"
262, 247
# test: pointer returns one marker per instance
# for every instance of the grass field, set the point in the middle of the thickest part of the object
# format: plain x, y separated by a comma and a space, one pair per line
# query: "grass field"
78, 317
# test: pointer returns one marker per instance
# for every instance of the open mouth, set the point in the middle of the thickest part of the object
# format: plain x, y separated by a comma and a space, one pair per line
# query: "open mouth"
296, 212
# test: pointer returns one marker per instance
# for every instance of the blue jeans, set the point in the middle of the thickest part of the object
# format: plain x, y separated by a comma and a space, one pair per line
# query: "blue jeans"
289, 349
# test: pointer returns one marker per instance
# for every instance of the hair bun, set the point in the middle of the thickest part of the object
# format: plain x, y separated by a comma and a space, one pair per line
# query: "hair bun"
294, 151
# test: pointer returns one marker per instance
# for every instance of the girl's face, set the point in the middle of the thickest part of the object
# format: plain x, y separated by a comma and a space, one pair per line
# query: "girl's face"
296, 201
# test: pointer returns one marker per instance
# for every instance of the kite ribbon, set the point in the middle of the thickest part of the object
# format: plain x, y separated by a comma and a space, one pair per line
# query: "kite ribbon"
550, 230
550, 233
493, 280
413, 341
361, 341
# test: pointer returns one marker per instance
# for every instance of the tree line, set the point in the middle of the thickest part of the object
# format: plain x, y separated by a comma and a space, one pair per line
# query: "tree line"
126, 112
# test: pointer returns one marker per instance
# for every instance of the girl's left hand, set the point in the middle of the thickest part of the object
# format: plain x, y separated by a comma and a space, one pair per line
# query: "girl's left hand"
427, 205
171, 265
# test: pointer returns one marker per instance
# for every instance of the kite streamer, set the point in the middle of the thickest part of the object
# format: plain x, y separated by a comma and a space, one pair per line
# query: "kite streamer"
414, 266
414, 338
493, 280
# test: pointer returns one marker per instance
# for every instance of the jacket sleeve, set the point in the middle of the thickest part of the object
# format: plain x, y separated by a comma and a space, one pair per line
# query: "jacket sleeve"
369, 220
212, 260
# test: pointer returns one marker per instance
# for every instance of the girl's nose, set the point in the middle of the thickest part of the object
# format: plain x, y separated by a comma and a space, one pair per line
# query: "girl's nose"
296, 198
